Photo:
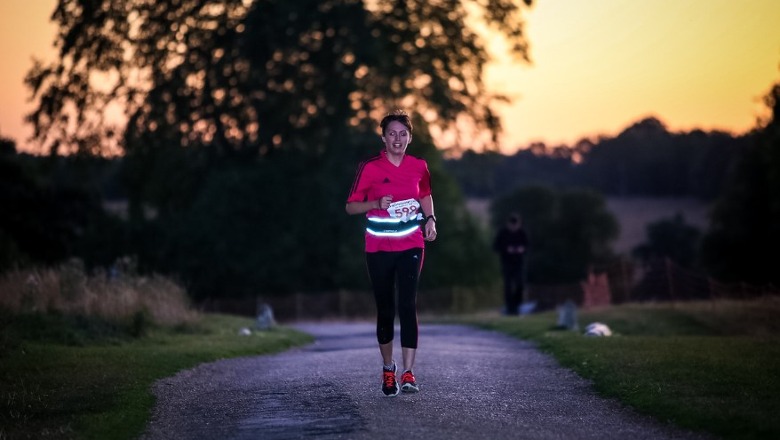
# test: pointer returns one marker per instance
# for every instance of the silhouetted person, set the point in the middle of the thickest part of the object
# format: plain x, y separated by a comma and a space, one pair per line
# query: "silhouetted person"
511, 244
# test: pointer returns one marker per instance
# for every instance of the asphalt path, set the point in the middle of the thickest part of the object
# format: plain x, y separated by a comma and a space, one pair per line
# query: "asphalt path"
475, 384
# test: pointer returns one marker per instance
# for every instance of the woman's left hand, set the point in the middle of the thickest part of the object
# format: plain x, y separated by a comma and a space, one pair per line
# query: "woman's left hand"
430, 230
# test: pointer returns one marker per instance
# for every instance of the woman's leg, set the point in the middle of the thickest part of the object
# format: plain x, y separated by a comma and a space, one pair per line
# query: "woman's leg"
381, 268
408, 354
408, 265
381, 271
509, 290
386, 350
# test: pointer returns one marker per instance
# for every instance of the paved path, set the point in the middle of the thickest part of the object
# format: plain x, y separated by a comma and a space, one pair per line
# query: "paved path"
475, 384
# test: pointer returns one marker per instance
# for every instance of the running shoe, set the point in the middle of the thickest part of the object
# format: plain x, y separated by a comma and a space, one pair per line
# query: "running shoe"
389, 383
408, 384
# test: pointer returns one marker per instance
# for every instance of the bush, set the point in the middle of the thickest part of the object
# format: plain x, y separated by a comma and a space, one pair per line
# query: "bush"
67, 290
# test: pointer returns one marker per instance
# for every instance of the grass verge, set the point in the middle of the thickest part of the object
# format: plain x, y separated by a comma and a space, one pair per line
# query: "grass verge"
64, 385
703, 366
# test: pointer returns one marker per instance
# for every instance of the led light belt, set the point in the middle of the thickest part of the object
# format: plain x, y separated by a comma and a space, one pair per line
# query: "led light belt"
393, 227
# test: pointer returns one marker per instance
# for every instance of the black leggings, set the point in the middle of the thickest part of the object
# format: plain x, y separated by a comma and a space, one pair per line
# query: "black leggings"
385, 269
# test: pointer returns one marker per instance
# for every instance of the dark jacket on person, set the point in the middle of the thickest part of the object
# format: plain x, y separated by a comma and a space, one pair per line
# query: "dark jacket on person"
506, 238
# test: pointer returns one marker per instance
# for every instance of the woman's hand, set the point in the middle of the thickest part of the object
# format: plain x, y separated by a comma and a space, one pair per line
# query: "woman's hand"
385, 202
430, 230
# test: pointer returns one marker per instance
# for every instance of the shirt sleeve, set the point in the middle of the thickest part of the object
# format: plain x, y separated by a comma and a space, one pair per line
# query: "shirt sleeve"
425, 180
360, 186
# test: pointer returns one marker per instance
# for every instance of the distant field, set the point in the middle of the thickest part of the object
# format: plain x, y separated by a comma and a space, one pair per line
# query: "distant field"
633, 214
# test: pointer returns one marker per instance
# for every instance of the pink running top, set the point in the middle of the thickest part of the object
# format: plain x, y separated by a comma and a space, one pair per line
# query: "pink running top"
378, 177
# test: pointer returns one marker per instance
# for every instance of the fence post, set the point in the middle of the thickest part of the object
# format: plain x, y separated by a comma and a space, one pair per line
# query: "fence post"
626, 283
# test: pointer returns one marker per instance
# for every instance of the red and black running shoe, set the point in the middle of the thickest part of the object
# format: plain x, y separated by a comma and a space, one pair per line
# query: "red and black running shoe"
389, 383
408, 383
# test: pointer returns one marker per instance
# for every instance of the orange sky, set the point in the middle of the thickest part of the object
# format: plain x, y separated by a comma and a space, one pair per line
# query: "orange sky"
602, 64
597, 66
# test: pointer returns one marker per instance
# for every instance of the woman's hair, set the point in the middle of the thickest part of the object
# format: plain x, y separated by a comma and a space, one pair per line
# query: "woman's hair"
396, 115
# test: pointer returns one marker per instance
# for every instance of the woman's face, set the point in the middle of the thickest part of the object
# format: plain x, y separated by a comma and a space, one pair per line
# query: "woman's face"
396, 138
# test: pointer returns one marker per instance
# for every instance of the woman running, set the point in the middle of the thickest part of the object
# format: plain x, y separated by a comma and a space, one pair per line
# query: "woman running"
393, 189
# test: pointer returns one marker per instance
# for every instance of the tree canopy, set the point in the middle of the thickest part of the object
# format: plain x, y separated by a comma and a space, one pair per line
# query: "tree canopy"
568, 230
243, 120
645, 159
745, 223
248, 77
46, 218
670, 238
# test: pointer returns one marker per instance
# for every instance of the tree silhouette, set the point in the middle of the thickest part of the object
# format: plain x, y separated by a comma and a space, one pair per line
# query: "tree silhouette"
645, 159
246, 119
670, 238
745, 224
44, 220
247, 77
569, 230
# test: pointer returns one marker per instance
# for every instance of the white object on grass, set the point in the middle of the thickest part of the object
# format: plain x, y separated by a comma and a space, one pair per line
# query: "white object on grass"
597, 329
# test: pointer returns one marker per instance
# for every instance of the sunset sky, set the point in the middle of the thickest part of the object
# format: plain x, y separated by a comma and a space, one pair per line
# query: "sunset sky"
597, 66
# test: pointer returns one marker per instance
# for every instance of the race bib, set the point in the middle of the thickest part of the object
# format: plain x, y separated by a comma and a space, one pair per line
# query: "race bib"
404, 209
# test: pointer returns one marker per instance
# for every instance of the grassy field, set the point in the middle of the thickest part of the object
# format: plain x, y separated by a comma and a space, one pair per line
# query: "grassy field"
711, 366
64, 377
79, 354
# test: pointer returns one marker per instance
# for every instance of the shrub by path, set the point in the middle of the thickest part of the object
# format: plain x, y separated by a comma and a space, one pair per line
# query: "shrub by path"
475, 384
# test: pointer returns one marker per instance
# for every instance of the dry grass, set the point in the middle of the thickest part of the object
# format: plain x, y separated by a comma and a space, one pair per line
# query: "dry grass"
68, 290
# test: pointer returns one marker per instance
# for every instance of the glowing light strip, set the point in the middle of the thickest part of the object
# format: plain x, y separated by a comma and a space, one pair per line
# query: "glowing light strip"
384, 219
392, 234
418, 216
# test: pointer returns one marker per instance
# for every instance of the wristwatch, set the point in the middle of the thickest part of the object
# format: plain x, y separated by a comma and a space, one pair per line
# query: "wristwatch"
430, 217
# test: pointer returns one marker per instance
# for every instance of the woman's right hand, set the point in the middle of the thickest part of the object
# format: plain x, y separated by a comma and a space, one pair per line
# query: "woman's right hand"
385, 202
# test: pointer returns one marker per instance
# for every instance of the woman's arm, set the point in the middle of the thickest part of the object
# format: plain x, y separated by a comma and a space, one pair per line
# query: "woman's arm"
363, 207
426, 203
